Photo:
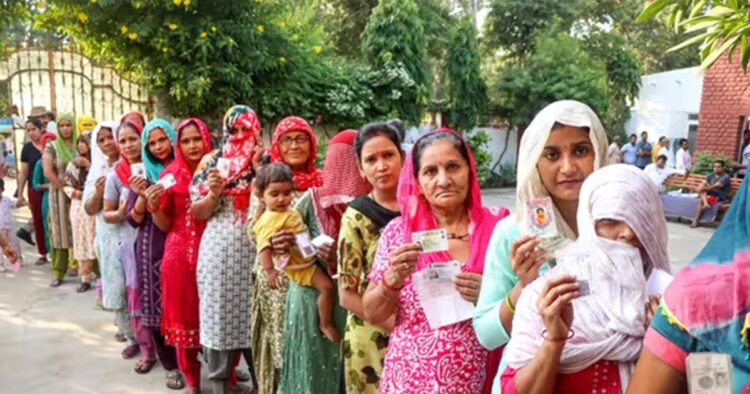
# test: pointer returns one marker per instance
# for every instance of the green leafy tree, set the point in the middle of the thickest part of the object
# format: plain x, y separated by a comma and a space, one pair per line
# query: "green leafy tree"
559, 68
393, 43
197, 57
719, 26
467, 92
513, 25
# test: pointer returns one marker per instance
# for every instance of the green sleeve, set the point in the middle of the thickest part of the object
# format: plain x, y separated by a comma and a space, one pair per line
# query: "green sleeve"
498, 279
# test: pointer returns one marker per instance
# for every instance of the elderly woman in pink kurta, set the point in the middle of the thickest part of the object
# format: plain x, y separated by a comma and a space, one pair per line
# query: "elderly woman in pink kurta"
438, 189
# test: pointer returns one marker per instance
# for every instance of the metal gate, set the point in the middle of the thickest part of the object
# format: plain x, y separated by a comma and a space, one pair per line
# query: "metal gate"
66, 81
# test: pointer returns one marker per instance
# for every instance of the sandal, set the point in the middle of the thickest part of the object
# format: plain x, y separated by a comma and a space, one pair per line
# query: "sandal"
120, 337
130, 352
175, 380
84, 287
242, 376
144, 366
41, 261
242, 389
56, 282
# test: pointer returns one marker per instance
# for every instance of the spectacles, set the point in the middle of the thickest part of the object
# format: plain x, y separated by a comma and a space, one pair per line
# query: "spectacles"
289, 141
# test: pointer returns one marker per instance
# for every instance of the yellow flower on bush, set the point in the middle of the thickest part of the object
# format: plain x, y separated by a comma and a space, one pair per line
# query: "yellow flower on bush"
186, 3
133, 36
172, 26
165, 49
214, 28
93, 1
260, 28
123, 29
282, 60
281, 25
204, 34
317, 48
83, 17
177, 2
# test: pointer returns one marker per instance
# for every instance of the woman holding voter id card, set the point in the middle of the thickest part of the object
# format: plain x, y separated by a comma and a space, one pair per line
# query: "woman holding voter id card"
562, 146
701, 331
170, 210
116, 193
579, 327
295, 145
312, 363
427, 272
221, 196
157, 152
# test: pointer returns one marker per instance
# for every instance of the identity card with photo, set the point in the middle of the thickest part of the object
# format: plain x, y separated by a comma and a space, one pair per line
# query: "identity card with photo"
138, 169
304, 245
167, 181
709, 373
540, 212
223, 166
431, 240
441, 302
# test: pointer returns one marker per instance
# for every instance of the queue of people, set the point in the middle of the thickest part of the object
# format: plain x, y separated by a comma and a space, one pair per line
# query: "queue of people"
384, 272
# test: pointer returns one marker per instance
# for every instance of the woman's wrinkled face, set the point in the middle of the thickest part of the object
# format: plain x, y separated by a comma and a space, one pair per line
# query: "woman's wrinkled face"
34, 133
566, 161
381, 163
617, 230
294, 148
159, 145
65, 129
130, 144
106, 142
443, 175
191, 144
83, 148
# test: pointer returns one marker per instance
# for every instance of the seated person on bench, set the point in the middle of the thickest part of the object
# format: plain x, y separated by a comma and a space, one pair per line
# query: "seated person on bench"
714, 190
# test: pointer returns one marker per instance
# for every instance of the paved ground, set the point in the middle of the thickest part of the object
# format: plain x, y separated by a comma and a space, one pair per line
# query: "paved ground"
53, 341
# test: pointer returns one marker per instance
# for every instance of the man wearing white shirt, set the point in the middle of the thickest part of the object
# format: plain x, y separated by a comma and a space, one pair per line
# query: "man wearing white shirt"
658, 172
664, 151
683, 160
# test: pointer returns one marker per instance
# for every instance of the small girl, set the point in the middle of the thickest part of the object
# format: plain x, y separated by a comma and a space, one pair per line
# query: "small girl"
6, 231
274, 185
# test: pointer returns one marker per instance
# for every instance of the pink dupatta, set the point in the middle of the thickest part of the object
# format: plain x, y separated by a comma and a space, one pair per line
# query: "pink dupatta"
417, 216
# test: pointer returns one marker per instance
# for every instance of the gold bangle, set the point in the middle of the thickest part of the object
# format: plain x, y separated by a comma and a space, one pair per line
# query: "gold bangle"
509, 305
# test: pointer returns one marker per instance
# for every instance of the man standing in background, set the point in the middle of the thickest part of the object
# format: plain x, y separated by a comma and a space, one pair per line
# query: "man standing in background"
629, 151
643, 151
683, 160
666, 152
614, 154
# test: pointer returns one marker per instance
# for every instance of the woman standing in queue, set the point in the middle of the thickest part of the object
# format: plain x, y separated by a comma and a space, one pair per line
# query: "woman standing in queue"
157, 151
221, 195
562, 146
295, 145
170, 210
57, 155
30, 155
312, 363
438, 189
378, 150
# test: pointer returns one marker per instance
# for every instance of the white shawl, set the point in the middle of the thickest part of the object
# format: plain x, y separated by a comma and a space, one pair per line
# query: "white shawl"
609, 323
99, 161
529, 184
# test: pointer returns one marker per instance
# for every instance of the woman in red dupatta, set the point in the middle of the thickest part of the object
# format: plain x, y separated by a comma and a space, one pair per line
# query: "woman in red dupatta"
295, 145
438, 189
171, 212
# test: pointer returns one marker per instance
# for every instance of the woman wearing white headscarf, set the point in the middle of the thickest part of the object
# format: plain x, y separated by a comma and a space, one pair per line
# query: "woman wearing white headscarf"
565, 341
562, 146
104, 155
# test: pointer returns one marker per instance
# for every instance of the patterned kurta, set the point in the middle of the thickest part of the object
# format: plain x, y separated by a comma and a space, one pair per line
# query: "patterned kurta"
225, 262
364, 344
149, 250
82, 225
419, 359
267, 315
60, 233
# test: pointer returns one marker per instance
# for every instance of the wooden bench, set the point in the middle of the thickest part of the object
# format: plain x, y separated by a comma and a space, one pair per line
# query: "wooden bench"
690, 184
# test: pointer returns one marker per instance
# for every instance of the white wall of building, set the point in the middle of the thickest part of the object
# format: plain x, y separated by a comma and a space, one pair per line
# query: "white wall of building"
665, 104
